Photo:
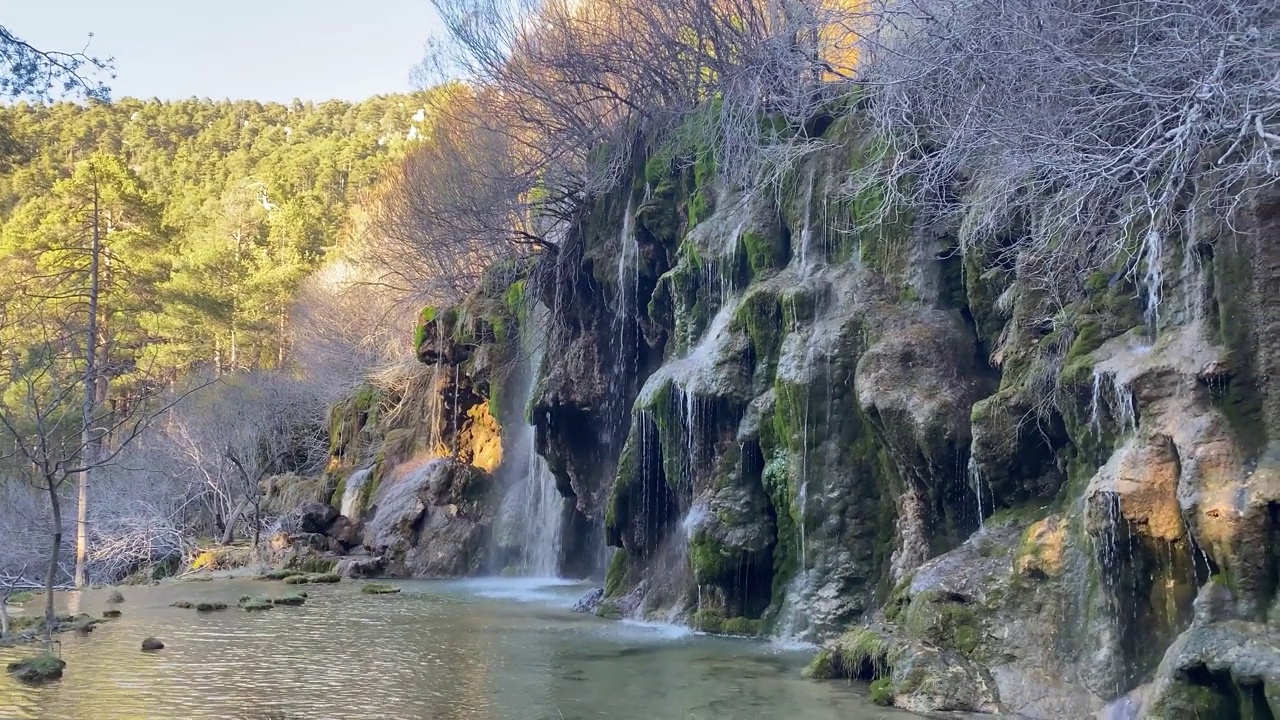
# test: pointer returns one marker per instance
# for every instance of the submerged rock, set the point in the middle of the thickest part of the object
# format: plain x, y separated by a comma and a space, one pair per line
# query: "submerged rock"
39, 669
115, 597
256, 603
150, 644
379, 589
292, 600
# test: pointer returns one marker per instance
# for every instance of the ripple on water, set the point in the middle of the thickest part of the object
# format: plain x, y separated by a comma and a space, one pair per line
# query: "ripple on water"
493, 649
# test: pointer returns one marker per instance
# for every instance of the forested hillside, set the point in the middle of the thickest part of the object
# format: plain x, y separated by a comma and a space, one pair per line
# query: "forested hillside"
214, 211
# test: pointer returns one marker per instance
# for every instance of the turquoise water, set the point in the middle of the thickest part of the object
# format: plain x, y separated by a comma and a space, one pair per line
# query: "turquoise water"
505, 649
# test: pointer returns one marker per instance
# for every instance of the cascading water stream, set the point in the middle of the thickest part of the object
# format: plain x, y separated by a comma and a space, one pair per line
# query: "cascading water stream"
531, 514
351, 492
803, 261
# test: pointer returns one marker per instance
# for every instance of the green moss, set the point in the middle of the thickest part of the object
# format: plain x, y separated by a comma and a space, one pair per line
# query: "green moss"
823, 665
766, 251
860, 654
777, 484
882, 691
379, 589
38, 669
291, 600
935, 618
20, 598
760, 316
710, 621
710, 559
899, 600
746, 627
609, 610
617, 573
338, 492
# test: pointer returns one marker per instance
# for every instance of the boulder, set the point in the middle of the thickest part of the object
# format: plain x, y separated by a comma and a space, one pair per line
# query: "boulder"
432, 520
151, 644
309, 517
346, 532
251, 604
589, 602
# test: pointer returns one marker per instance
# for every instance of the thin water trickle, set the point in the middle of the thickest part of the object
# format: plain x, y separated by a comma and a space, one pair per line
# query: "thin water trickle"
1153, 278
806, 229
975, 482
1120, 401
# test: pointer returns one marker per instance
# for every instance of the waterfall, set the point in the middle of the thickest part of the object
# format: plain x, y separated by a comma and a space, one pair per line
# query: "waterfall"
351, 504
531, 514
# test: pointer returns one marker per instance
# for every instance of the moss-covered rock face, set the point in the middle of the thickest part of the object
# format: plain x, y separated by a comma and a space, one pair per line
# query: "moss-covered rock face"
809, 411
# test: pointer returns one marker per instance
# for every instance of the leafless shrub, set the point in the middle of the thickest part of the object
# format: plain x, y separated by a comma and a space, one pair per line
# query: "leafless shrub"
1081, 128
575, 85
233, 434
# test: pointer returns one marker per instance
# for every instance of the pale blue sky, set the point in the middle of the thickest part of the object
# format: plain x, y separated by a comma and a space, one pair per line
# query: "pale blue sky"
239, 49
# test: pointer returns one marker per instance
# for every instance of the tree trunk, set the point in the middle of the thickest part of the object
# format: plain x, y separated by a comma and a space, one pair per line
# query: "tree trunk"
51, 575
88, 451
230, 533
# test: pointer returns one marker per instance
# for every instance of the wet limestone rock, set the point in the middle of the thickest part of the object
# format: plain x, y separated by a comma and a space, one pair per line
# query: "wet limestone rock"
432, 520
908, 674
39, 669
379, 589
590, 601
1227, 669
360, 566
254, 604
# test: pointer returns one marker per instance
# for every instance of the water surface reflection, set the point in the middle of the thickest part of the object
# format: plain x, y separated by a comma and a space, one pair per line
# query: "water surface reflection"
463, 650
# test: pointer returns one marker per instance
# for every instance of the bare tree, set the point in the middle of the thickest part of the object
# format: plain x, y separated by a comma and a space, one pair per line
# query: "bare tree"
240, 430
41, 413
10, 585
573, 87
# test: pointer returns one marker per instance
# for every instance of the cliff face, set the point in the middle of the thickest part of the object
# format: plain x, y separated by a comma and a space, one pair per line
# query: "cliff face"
805, 413
797, 413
